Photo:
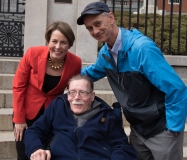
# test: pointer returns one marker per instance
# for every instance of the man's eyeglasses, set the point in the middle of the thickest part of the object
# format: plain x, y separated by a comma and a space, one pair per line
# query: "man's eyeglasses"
82, 94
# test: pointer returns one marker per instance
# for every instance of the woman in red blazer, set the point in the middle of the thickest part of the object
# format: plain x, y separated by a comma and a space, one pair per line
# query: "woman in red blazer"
42, 75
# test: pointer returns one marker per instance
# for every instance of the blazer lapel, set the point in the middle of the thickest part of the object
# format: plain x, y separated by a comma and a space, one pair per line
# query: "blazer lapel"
42, 63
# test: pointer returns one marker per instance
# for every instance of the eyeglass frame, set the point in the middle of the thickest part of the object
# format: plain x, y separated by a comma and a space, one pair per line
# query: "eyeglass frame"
81, 93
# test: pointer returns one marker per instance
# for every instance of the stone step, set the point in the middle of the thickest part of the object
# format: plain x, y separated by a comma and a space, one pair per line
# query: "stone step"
6, 97
6, 106
8, 150
9, 159
180, 70
6, 122
102, 84
6, 119
185, 153
7, 146
6, 81
9, 65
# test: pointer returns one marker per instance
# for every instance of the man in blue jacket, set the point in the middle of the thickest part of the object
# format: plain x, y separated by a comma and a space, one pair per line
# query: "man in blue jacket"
82, 126
152, 95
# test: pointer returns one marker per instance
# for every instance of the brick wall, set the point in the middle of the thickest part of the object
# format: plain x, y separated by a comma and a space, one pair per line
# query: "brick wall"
175, 6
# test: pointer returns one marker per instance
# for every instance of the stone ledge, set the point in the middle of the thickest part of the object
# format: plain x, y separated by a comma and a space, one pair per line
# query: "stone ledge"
176, 60
6, 120
5, 99
6, 136
185, 153
173, 60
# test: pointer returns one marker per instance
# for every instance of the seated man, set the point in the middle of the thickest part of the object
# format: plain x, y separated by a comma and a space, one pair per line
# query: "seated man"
82, 126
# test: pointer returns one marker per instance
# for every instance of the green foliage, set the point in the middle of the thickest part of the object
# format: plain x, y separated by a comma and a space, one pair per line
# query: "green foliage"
169, 31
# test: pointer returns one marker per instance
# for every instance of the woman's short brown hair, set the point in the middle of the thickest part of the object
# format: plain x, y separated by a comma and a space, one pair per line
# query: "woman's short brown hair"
64, 28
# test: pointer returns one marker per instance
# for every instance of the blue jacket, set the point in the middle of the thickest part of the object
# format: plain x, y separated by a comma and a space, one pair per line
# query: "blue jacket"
100, 137
152, 95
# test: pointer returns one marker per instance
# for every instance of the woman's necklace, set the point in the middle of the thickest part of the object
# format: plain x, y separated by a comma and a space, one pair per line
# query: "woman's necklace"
55, 67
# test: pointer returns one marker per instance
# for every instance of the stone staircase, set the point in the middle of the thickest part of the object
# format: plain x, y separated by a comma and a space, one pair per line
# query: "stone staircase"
7, 70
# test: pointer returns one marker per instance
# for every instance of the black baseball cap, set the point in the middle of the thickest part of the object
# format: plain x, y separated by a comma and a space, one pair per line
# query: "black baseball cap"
92, 8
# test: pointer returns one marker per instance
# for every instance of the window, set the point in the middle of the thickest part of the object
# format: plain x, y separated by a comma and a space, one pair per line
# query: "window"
174, 1
64, 1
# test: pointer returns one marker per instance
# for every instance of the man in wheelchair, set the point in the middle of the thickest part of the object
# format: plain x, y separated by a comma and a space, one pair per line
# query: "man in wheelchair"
82, 126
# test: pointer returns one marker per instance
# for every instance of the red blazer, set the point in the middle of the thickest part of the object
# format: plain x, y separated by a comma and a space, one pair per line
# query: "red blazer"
28, 96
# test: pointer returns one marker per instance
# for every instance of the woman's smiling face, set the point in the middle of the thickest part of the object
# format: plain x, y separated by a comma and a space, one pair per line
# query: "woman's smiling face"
58, 45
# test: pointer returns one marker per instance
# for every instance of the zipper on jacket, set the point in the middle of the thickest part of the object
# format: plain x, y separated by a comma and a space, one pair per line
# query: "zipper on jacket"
120, 77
